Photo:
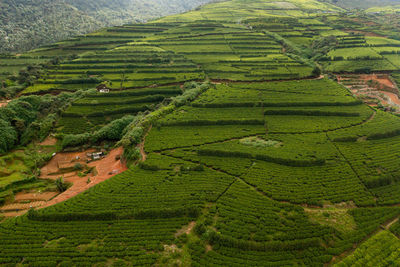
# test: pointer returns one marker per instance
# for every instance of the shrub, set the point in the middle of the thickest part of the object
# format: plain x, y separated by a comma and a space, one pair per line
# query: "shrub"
61, 186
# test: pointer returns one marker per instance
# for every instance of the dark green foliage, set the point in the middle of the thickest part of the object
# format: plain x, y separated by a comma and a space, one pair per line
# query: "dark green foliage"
28, 24
323, 45
112, 132
61, 185
8, 136
31, 118
261, 169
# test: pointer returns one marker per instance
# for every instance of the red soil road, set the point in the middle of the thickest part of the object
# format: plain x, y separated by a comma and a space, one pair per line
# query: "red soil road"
4, 103
106, 168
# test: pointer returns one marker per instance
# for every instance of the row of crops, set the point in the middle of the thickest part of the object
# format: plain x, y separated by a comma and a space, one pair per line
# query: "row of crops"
146, 55
98, 109
238, 58
380, 250
298, 133
268, 165
130, 66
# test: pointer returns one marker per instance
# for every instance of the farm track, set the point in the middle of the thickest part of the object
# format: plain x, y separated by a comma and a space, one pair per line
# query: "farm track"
235, 178
141, 145
350, 165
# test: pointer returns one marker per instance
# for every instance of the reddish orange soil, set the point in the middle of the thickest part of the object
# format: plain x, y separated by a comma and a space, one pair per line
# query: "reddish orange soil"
106, 168
49, 141
393, 98
22, 206
4, 103
25, 196
14, 213
382, 88
380, 78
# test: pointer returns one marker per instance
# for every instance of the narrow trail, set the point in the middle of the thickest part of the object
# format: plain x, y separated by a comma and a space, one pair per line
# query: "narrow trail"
143, 154
350, 165
388, 225
235, 177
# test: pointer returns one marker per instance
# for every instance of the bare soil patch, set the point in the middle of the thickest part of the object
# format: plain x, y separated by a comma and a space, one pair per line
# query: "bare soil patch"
141, 146
373, 89
187, 229
34, 196
62, 165
14, 213
4, 103
22, 206
106, 168
49, 141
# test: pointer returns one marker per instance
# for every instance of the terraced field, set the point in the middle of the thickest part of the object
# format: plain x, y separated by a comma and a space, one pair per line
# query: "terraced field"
243, 149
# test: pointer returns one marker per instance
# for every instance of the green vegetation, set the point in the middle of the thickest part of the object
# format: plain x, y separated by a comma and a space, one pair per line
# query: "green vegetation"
19, 171
380, 250
241, 147
28, 24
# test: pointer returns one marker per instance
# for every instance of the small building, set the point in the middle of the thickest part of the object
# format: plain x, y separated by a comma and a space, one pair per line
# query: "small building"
102, 88
95, 155
104, 91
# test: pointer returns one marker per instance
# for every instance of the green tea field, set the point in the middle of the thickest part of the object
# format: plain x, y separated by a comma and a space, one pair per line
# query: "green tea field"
254, 133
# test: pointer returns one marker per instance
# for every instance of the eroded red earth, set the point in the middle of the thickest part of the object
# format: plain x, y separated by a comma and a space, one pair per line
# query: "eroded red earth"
375, 88
62, 165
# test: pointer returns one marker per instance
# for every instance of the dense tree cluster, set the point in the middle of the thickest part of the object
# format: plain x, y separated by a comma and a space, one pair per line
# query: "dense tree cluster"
30, 117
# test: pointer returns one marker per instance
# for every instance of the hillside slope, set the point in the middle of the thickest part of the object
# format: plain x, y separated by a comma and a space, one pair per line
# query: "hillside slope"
248, 133
362, 4
25, 25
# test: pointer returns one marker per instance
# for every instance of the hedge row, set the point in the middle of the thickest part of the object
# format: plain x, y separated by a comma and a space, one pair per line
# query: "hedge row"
191, 211
146, 99
375, 136
213, 122
227, 241
278, 104
282, 161
311, 113
146, 92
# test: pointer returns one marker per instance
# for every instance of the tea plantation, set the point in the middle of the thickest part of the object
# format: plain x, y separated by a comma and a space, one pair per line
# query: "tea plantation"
242, 148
